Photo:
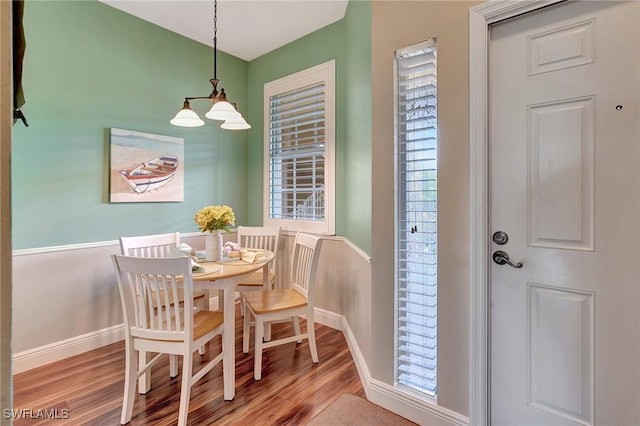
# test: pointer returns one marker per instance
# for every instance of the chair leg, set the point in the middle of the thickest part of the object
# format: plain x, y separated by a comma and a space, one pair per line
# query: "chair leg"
311, 333
246, 332
296, 327
130, 373
259, 332
144, 382
173, 365
185, 389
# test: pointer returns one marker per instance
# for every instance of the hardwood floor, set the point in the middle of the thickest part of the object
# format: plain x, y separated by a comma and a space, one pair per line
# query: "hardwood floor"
89, 387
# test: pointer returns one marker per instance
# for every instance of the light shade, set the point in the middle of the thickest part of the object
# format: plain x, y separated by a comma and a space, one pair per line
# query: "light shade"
222, 110
236, 123
186, 117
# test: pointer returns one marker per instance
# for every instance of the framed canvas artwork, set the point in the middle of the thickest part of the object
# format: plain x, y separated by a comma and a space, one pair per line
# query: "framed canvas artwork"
145, 167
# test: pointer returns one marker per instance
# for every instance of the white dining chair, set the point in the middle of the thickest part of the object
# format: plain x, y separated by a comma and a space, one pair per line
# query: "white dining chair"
159, 245
267, 306
154, 322
258, 237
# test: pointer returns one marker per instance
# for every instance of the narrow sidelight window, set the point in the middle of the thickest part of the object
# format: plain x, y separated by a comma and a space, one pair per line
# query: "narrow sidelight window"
416, 218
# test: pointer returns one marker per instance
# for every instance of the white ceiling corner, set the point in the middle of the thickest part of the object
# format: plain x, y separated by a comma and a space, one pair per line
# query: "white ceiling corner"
246, 28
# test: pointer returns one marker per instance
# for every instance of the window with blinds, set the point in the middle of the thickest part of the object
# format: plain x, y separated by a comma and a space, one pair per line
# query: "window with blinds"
296, 149
299, 150
416, 215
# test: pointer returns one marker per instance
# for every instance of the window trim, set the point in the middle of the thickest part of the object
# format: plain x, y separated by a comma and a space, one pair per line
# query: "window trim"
324, 72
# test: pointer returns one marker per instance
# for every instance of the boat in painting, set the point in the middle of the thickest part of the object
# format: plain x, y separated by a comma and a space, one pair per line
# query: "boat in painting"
151, 174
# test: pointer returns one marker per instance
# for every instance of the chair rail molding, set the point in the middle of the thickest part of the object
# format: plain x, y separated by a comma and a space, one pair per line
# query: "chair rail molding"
84, 246
480, 19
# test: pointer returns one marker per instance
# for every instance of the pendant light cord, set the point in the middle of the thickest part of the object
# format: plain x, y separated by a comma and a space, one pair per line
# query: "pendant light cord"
215, 38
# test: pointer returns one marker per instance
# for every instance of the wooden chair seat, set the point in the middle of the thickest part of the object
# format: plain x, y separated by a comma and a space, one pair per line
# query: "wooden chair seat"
263, 302
205, 321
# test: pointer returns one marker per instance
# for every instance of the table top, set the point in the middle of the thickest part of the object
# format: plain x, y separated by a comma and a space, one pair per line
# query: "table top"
229, 268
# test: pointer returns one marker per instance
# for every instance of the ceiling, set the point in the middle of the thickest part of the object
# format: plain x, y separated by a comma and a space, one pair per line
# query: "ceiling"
246, 28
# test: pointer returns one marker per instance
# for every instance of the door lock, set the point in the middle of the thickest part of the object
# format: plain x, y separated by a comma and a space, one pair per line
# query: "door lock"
502, 258
500, 237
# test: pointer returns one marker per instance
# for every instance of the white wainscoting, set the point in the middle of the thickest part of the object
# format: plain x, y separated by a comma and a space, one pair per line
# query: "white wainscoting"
65, 303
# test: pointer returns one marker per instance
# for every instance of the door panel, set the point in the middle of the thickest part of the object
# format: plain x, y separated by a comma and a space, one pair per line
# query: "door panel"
565, 186
561, 365
560, 185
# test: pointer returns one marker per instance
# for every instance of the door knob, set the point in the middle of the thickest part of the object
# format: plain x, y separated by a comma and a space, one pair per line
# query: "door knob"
502, 258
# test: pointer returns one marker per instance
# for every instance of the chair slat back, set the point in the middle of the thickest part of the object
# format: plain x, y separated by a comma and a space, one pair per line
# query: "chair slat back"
158, 245
259, 237
148, 289
304, 264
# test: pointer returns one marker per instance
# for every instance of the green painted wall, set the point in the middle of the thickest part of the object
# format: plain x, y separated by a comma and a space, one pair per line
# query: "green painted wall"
89, 67
354, 178
348, 41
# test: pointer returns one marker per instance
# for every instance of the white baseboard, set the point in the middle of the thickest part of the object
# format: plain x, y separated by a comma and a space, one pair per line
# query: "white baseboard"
412, 408
329, 319
395, 400
356, 354
37, 357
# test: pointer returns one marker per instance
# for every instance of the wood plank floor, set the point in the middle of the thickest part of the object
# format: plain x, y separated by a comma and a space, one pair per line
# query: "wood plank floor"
292, 390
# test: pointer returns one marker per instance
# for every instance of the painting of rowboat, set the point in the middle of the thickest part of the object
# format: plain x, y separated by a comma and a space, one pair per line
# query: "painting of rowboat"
152, 174
146, 167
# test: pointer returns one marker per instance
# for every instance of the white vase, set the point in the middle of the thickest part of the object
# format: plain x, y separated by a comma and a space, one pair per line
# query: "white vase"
213, 245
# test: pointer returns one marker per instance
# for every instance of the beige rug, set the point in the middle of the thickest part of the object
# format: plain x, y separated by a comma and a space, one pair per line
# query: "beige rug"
349, 409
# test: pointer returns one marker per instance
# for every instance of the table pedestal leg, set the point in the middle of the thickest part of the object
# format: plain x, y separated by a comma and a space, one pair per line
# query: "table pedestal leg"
228, 345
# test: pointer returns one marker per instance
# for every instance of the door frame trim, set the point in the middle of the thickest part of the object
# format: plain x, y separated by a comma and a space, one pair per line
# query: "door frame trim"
480, 18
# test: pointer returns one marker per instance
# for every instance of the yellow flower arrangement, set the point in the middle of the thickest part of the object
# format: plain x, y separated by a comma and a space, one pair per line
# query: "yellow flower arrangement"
211, 218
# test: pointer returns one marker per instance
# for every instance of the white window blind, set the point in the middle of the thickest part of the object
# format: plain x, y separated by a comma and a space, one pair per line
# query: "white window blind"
299, 150
416, 227
296, 149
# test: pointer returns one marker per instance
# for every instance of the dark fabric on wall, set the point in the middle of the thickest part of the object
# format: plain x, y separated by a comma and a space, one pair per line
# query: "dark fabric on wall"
19, 46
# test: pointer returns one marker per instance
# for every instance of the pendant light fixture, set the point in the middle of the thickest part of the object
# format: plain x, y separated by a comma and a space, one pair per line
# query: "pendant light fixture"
222, 109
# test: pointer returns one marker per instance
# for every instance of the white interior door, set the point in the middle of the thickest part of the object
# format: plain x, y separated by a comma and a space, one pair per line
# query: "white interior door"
565, 187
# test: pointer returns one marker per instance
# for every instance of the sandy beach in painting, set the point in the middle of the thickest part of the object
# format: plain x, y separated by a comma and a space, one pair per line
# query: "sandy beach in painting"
123, 157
